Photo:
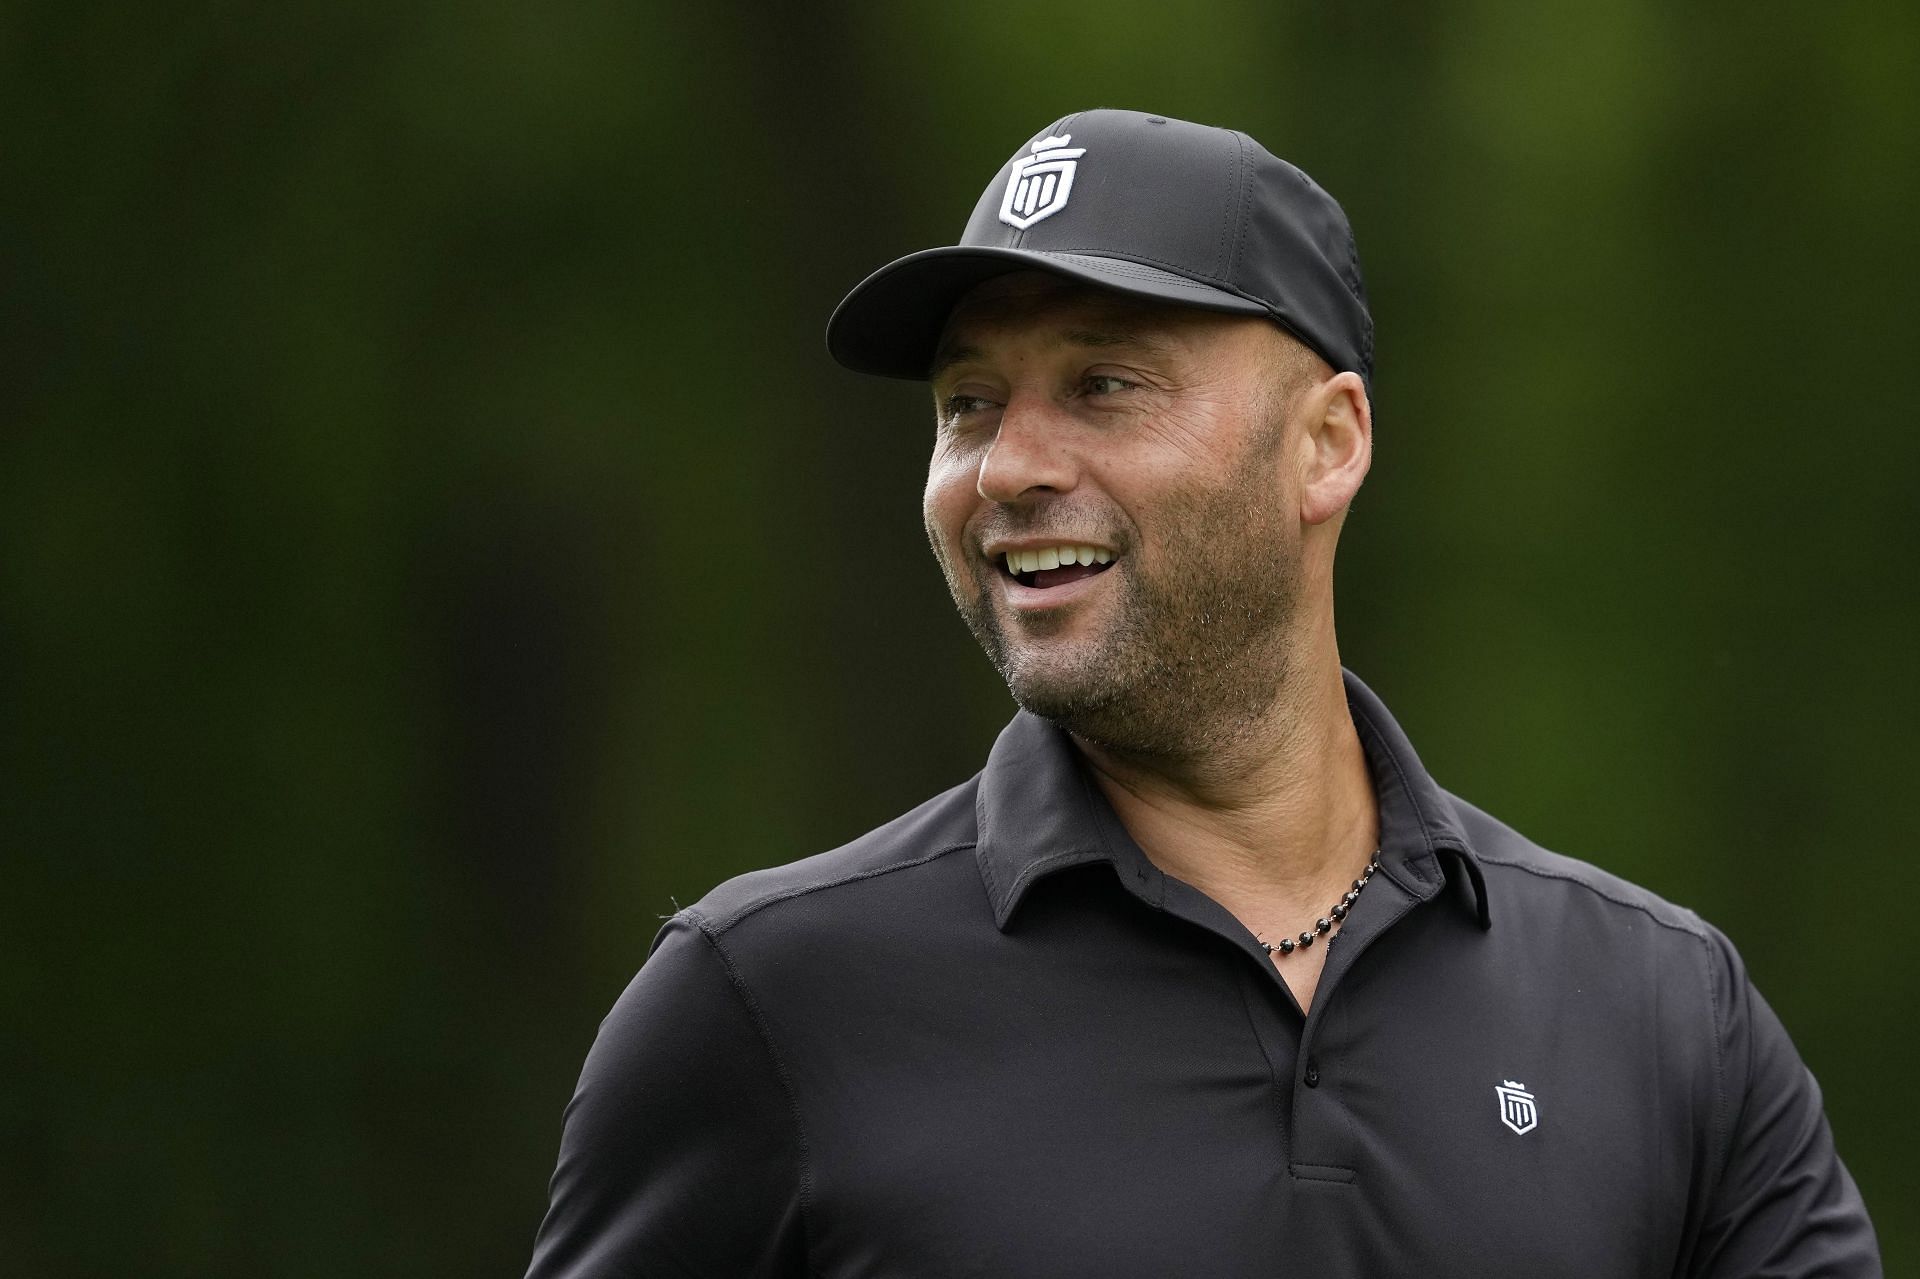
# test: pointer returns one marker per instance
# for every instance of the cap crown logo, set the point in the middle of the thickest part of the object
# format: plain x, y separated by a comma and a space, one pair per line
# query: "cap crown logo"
1040, 183
1518, 1108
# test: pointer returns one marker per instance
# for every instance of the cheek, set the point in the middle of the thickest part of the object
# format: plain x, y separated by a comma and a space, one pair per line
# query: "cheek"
950, 498
1193, 434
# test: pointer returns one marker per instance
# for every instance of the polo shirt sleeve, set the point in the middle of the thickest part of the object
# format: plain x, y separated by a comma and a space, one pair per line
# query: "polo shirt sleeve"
1783, 1203
681, 1154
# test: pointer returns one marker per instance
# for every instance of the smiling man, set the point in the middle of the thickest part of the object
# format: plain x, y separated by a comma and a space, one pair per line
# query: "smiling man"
1202, 974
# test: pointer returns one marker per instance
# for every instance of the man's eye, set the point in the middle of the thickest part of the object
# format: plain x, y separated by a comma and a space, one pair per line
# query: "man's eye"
961, 405
1106, 384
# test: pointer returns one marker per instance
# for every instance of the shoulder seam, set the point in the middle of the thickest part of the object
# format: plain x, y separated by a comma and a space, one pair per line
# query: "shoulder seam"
765, 1032
761, 903
1723, 1101
1597, 891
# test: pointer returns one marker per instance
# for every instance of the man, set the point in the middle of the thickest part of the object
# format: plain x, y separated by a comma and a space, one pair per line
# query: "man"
1202, 974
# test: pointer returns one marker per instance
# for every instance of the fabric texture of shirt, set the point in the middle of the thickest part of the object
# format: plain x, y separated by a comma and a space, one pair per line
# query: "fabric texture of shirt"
991, 1038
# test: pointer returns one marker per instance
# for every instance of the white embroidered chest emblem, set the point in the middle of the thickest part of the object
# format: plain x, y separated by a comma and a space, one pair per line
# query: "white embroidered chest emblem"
1040, 183
1518, 1110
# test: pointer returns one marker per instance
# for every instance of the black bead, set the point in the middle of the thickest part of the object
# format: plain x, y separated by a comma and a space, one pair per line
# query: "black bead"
1306, 940
1340, 911
1351, 897
1359, 884
1321, 925
1286, 946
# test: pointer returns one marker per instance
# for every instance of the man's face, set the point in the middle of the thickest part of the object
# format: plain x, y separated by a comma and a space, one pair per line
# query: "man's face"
1139, 454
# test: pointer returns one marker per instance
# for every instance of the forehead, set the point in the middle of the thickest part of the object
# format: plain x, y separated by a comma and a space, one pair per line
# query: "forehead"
1028, 305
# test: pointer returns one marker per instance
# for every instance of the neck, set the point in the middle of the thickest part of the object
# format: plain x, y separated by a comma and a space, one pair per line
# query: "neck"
1272, 817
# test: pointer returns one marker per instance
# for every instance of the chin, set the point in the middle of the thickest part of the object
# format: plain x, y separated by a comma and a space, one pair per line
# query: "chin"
1079, 700
1057, 669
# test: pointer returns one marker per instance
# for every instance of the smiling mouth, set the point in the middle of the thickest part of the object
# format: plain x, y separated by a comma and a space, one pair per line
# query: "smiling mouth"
1049, 566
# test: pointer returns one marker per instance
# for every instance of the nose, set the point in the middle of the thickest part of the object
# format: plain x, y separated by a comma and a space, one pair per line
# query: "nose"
1031, 452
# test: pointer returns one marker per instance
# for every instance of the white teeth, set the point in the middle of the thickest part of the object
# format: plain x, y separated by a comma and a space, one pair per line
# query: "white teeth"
1054, 557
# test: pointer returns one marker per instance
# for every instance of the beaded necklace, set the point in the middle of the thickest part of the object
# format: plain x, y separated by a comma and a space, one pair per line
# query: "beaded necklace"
1338, 915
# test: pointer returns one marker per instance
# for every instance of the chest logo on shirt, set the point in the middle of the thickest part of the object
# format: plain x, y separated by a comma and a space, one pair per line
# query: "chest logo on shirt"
1517, 1108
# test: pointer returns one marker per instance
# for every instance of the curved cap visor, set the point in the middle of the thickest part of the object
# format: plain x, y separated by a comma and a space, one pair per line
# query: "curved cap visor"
892, 321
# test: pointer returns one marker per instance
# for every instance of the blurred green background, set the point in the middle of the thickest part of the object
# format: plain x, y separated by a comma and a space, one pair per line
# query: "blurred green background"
435, 540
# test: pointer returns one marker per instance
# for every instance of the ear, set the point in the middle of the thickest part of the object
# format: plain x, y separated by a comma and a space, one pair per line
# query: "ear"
1338, 441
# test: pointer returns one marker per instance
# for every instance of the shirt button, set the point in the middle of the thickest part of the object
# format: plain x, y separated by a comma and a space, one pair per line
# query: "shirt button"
1312, 1077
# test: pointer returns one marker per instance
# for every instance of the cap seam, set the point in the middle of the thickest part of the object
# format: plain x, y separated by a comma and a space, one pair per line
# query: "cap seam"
1179, 268
1226, 222
1246, 190
1127, 268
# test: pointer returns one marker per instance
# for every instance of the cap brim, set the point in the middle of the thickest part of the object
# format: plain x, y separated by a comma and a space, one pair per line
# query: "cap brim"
891, 322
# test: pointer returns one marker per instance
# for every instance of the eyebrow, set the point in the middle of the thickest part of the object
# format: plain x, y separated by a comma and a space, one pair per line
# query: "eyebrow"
948, 356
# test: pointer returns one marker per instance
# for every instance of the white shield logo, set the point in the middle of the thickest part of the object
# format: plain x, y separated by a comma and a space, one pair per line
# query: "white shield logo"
1040, 183
1517, 1110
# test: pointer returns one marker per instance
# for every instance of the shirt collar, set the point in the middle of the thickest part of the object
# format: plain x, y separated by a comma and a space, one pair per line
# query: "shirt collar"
1039, 811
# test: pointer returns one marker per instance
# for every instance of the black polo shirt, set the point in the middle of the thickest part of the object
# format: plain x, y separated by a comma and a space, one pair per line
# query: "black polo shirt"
992, 1039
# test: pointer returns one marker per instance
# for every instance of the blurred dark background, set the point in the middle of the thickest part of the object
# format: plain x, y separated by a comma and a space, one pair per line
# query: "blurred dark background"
433, 540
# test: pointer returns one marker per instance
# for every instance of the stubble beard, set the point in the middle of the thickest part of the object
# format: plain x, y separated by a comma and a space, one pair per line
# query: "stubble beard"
1197, 654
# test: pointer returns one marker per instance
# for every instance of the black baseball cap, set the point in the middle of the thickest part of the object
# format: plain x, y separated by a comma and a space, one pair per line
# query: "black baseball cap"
1144, 205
